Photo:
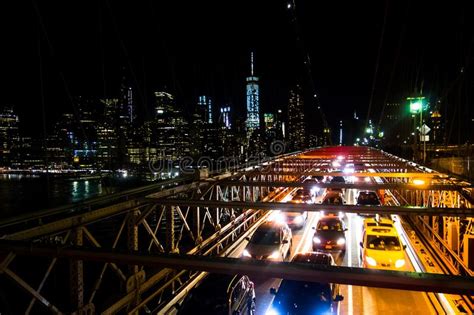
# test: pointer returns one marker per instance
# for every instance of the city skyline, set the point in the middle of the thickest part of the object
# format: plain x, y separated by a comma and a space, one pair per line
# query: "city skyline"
152, 43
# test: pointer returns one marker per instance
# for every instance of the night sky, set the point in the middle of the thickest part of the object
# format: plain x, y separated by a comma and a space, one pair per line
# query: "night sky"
201, 47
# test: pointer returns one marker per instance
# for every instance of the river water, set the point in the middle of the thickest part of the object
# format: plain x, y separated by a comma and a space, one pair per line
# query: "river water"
21, 194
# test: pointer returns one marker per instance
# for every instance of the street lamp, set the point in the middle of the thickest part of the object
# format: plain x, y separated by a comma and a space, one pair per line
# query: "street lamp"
416, 106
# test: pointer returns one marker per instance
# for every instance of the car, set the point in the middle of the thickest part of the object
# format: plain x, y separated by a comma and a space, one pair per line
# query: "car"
304, 297
272, 241
379, 220
338, 179
329, 234
318, 178
303, 195
381, 248
367, 198
220, 294
359, 167
335, 190
332, 197
295, 219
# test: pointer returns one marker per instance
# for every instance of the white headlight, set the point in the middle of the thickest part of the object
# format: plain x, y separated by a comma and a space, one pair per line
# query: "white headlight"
341, 241
371, 261
316, 240
274, 255
246, 253
271, 311
280, 218
299, 219
400, 263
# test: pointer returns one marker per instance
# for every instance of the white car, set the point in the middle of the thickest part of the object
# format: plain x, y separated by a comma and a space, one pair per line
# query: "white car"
271, 241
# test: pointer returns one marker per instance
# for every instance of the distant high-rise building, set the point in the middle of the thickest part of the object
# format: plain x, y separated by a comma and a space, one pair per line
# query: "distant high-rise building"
253, 100
107, 137
131, 111
85, 121
313, 141
126, 112
325, 138
340, 132
269, 120
9, 136
437, 127
170, 131
198, 130
206, 103
280, 125
164, 104
296, 122
225, 117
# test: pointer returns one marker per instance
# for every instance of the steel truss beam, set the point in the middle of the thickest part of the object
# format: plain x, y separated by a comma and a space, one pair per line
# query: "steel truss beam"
385, 174
426, 282
361, 186
287, 206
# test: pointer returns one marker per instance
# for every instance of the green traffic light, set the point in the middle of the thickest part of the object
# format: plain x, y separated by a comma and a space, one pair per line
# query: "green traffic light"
416, 107
416, 104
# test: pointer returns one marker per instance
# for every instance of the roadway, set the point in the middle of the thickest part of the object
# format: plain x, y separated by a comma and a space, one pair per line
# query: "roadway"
357, 300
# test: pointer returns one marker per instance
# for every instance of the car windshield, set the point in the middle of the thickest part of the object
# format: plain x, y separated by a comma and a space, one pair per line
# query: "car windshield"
266, 237
368, 199
303, 192
292, 291
330, 225
338, 179
379, 242
333, 200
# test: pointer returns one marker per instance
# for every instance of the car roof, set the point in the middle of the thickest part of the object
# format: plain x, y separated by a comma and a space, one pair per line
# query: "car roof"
381, 230
313, 258
330, 219
367, 192
270, 225
383, 222
333, 193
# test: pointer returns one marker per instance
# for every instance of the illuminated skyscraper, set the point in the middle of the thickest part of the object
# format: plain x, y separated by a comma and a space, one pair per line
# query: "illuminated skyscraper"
170, 130
225, 116
9, 136
206, 103
296, 122
131, 112
340, 132
269, 120
253, 100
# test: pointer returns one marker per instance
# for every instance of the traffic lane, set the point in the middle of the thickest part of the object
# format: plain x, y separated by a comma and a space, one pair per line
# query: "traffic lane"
302, 239
365, 300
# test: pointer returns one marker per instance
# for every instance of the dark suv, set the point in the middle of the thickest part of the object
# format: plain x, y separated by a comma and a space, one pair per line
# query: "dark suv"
220, 295
367, 198
302, 297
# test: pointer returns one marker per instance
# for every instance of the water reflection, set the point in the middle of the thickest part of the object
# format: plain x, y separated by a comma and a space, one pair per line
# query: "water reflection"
28, 193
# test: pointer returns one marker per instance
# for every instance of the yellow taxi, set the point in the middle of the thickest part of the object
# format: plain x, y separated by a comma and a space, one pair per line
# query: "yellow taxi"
381, 247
